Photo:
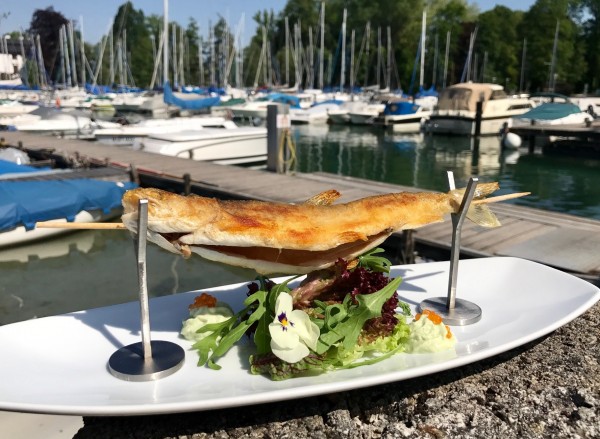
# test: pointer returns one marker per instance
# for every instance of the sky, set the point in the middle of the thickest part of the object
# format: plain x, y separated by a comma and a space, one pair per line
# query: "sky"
97, 15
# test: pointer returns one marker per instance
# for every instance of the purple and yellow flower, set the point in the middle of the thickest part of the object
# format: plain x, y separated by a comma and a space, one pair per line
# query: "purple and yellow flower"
292, 331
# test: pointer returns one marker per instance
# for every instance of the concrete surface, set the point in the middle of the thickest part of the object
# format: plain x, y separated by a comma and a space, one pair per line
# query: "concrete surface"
30, 425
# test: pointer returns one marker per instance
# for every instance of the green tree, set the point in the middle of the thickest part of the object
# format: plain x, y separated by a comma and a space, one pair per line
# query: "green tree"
591, 45
47, 23
130, 26
451, 19
538, 27
499, 47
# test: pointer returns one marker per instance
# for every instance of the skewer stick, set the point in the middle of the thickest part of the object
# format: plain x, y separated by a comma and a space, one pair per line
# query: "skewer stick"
500, 198
80, 226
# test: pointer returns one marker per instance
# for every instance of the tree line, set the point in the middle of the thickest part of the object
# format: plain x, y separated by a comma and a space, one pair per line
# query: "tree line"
554, 45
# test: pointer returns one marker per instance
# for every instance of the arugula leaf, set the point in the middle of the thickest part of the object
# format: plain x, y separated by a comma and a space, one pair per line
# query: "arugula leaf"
222, 336
346, 326
374, 263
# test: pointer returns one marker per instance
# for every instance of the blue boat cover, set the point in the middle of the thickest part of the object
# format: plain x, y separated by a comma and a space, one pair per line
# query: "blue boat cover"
550, 111
282, 98
400, 108
188, 104
27, 202
7, 167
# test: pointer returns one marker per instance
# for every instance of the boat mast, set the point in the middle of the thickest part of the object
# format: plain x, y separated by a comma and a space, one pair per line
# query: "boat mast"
435, 61
321, 60
111, 65
422, 71
156, 60
287, 54
165, 41
352, 62
82, 47
343, 72
552, 79
72, 49
367, 41
523, 64
388, 78
200, 61
446, 59
213, 54
311, 59
378, 56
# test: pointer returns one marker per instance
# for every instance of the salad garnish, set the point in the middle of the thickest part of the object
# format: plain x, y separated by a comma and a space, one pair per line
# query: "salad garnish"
338, 318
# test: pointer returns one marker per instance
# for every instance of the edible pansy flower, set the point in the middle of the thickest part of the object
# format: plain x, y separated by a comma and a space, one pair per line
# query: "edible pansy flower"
292, 331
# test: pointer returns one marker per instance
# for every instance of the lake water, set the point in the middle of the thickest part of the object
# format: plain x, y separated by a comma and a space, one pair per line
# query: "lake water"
557, 183
96, 268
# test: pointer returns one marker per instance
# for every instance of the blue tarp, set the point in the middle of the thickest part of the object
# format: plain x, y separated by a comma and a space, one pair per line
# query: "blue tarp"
27, 202
430, 92
400, 108
188, 104
7, 167
282, 98
550, 111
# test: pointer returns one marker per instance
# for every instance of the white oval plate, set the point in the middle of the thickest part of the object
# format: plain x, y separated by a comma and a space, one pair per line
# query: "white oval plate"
59, 364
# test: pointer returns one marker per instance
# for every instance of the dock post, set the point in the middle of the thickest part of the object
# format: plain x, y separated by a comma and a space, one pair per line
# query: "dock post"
531, 145
187, 184
478, 116
272, 139
278, 124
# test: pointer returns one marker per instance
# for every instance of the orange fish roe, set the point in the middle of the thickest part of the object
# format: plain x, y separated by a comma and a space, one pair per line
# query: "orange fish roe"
204, 300
448, 332
435, 318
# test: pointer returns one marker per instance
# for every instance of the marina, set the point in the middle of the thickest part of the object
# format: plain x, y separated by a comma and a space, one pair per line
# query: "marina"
73, 308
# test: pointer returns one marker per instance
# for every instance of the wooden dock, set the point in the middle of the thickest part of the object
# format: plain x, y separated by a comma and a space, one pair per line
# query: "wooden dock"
562, 241
575, 139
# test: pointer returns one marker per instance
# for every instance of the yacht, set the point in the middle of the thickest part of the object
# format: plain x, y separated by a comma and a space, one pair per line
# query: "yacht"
456, 111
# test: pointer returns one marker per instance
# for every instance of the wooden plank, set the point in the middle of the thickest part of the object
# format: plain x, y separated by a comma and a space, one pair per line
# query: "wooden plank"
571, 249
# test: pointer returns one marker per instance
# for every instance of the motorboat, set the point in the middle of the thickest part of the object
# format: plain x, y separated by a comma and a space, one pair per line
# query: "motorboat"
560, 110
318, 113
365, 114
403, 116
257, 109
56, 122
126, 134
551, 112
456, 111
11, 108
243, 145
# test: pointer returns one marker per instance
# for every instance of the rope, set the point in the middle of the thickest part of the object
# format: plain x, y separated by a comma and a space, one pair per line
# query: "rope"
286, 141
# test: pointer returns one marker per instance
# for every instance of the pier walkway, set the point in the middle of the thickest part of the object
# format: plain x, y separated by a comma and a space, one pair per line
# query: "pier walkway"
562, 241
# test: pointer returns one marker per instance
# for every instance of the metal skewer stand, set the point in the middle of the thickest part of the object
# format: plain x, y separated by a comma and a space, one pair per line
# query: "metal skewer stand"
458, 312
147, 360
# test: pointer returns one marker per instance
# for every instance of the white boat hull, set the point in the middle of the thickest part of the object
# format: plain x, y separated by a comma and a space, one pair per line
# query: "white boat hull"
340, 117
464, 124
126, 135
240, 146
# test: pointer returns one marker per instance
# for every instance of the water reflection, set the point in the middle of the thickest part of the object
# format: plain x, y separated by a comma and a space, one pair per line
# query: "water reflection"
92, 269
563, 184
